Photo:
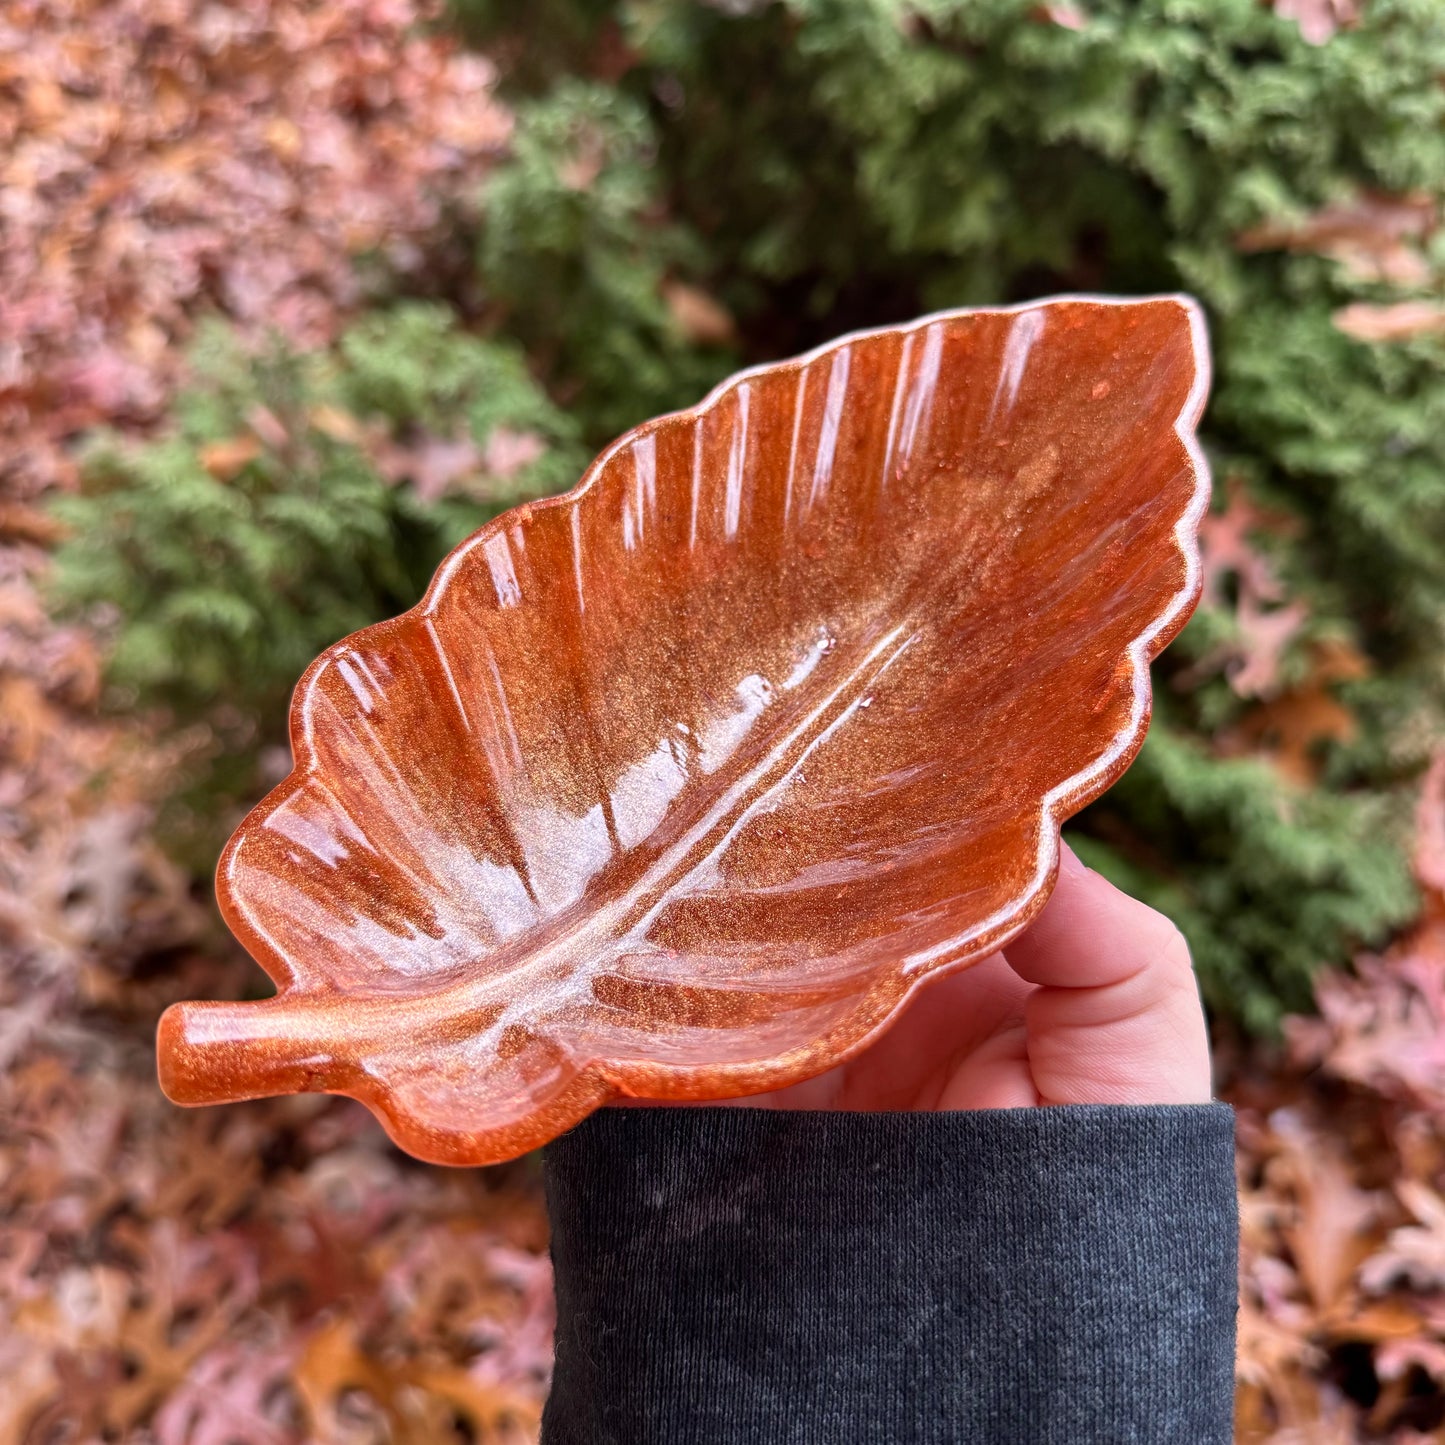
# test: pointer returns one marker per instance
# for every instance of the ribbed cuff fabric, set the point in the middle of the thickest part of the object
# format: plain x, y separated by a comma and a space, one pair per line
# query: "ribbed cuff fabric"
737, 1276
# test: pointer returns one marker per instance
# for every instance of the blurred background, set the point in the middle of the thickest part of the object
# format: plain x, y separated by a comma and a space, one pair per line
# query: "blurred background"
296, 293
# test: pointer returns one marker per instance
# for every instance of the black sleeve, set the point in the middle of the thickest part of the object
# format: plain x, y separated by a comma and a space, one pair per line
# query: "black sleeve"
736, 1276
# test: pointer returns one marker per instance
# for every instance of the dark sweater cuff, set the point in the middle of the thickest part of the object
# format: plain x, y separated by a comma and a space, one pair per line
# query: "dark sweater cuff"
729, 1275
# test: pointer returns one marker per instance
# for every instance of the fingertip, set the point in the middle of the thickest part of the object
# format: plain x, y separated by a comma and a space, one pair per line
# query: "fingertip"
1070, 864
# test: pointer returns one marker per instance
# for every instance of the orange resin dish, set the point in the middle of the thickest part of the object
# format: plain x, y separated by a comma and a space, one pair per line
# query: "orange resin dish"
679, 785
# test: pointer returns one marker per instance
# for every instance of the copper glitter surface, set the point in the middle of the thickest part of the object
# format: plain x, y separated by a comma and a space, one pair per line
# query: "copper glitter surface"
679, 785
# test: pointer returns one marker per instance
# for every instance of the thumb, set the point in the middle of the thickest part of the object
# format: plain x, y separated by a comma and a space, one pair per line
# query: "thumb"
1115, 1017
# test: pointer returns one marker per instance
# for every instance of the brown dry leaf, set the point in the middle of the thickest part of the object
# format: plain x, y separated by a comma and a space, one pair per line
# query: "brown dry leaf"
30, 1382
332, 1366
224, 459
508, 451
1277, 1354
1383, 1028
208, 1187
1429, 855
1395, 1358
701, 318
1227, 549
1374, 237
1383, 1321
1070, 17
268, 427
490, 1414
1264, 636
26, 719
1319, 20
433, 465
283, 135
21, 523
1289, 729
1267, 624
415, 1402
96, 887
1334, 1224
1414, 1254
339, 425
1335, 660
1397, 321
235, 1394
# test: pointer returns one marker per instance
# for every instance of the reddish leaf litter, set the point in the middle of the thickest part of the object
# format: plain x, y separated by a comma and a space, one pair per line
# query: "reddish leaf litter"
1342, 1181
160, 159
1268, 658
277, 1272
1375, 238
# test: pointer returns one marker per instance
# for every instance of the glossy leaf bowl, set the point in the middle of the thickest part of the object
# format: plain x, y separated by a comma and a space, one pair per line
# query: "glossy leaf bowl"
679, 785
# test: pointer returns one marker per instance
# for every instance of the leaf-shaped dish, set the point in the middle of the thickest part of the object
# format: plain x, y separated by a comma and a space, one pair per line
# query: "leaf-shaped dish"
679, 785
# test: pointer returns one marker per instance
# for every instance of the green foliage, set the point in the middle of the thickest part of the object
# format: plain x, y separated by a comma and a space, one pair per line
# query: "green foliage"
281, 512
575, 250
822, 164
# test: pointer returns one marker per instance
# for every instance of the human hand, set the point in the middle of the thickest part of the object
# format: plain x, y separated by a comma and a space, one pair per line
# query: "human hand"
1095, 1004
